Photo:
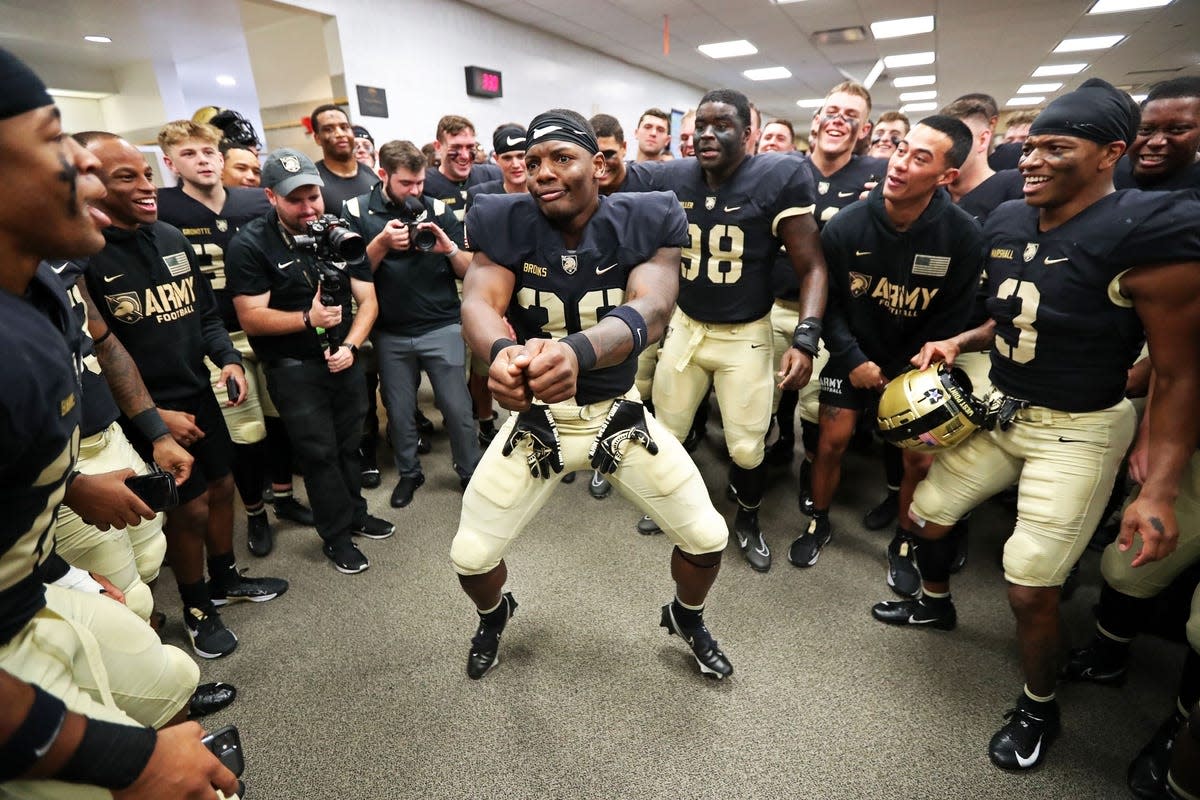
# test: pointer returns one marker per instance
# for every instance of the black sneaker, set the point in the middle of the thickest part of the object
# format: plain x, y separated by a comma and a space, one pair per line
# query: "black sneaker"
959, 535
371, 477
1022, 743
568, 477
259, 538
599, 486
694, 437
883, 514
487, 432
406, 487
485, 644
208, 634
424, 425
346, 556
903, 575
424, 444
373, 528
807, 506
292, 509
646, 526
209, 698
781, 453
708, 655
925, 612
239, 587
1147, 776
1102, 661
805, 551
750, 540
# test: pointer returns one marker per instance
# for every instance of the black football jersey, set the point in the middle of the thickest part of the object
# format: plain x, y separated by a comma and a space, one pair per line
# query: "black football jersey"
986, 197
561, 291
1064, 336
733, 230
453, 194
99, 406
210, 232
1187, 178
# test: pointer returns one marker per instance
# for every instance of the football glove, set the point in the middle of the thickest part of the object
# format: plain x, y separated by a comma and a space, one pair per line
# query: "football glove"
536, 429
626, 422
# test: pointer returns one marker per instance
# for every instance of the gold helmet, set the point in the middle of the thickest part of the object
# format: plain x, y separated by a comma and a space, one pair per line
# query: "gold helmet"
930, 409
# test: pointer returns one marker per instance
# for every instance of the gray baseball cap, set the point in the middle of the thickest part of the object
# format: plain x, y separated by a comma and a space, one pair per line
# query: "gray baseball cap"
286, 170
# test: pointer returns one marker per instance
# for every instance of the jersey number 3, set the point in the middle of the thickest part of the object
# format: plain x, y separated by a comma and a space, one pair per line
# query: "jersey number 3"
1025, 348
725, 244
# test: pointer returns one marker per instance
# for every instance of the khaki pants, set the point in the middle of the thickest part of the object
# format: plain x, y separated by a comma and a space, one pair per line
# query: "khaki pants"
785, 316
245, 422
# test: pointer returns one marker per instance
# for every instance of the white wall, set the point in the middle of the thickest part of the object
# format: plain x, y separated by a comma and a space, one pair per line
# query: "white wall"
79, 114
289, 63
408, 49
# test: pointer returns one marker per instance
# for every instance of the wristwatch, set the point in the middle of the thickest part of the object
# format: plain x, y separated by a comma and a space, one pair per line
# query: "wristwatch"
353, 349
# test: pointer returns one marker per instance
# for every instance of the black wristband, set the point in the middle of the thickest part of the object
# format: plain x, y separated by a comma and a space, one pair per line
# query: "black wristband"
30, 742
499, 345
585, 354
637, 326
111, 756
307, 322
107, 334
150, 425
807, 336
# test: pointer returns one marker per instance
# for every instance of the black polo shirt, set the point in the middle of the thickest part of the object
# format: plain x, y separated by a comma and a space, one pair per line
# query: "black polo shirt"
260, 261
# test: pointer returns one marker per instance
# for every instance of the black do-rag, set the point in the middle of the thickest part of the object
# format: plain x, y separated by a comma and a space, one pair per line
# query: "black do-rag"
508, 139
549, 125
20, 89
1096, 111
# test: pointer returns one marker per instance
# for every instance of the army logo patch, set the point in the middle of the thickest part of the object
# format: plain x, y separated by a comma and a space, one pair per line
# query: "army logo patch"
933, 396
822, 187
859, 284
290, 163
126, 306
223, 225
1030, 251
710, 203
570, 263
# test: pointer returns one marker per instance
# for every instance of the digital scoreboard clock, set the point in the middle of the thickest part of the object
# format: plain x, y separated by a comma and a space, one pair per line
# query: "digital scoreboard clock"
483, 82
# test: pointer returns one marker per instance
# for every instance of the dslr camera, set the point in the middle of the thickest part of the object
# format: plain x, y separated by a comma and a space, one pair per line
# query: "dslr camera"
421, 239
332, 240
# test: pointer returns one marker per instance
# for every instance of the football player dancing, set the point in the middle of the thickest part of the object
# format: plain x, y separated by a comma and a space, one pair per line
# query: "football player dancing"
1077, 275
740, 209
586, 282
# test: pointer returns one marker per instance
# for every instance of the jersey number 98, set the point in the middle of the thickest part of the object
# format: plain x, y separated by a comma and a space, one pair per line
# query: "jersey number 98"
724, 260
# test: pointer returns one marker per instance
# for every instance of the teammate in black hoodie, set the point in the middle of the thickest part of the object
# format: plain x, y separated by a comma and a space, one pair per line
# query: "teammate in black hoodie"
903, 268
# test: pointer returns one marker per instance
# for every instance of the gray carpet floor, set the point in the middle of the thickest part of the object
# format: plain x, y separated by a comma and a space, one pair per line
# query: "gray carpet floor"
354, 686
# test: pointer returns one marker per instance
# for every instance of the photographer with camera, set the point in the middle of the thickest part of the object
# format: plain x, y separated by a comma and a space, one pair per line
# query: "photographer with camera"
293, 273
413, 250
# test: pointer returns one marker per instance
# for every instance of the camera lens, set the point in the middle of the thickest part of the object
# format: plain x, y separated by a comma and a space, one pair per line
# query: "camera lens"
347, 244
425, 240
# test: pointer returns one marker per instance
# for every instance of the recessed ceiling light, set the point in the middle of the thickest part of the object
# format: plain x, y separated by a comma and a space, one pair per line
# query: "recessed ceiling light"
1139, 98
1058, 69
904, 109
906, 97
738, 47
1115, 6
226, 80
1024, 101
909, 26
1034, 88
98, 39
908, 60
812, 102
1088, 43
914, 80
768, 73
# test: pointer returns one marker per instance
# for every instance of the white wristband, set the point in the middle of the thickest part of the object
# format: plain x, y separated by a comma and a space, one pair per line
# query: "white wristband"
453, 252
79, 580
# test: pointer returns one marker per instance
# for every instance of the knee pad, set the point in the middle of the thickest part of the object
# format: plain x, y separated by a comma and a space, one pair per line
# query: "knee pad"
747, 452
470, 555
149, 556
139, 599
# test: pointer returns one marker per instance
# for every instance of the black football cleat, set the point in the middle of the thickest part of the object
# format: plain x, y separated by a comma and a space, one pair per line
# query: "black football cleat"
806, 549
1102, 661
903, 575
292, 509
1147, 774
713, 663
750, 540
923, 612
260, 541
883, 514
646, 526
209, 698
1022, 742
485, 644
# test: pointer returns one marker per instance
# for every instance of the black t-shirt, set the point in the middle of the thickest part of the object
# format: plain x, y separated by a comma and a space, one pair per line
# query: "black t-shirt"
99, 406
454, 193
1187, 178
259, 260
337, 190
417, 291
987, 196
560, 291
150, 291
1005, 156
1065, 338
733, 230
39, 438
210, 233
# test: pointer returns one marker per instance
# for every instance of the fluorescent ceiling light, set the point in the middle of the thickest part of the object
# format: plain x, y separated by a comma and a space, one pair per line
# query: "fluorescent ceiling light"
909, 26
812, 102
1058, 69
768, 73
874, 74
78, 94
789, 2
98, 39
906, 97
1034, 88
1115, 6
908, 60
1139, 98
914, 80
1024, 101
226, 80
1082, 43
738, 47
904, 109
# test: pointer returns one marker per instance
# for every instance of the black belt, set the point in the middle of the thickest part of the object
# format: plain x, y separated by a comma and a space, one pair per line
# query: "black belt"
276, 363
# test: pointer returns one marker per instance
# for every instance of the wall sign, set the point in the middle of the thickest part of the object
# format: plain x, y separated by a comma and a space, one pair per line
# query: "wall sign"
372, 101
